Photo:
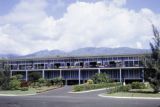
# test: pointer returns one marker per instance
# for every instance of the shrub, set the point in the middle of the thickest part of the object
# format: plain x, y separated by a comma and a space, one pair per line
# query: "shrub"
35, 84
124, 88
56, 81
48, 83
24, 89
24, 84
42, 82
78, 88
89, 81
14, 84
138, 85
19, 76
121, 88
34, 76
100, 78
94, 86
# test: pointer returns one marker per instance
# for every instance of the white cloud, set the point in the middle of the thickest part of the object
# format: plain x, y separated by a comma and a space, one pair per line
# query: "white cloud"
28, 28
119, 2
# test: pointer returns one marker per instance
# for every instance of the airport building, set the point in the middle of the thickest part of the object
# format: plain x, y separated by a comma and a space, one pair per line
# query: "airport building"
78, 69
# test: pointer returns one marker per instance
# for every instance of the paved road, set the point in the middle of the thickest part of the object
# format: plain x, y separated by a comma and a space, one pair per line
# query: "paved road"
61, 98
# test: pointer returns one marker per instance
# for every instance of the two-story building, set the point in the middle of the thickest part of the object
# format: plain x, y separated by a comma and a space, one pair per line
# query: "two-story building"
78, 69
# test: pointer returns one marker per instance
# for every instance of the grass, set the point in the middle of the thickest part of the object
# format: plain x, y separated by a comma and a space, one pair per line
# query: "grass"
136, 93
45, 88
131, 94
18, 92
30, 91
85, 87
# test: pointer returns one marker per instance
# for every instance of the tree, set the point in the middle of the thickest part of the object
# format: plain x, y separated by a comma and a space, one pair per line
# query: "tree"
34, 76
5, 77
14, 83
152, 73
100, 78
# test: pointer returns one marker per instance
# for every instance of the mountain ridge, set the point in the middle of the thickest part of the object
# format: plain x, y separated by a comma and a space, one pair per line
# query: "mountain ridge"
81, 52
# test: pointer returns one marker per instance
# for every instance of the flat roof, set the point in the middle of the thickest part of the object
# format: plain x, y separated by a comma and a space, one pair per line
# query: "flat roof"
69, 57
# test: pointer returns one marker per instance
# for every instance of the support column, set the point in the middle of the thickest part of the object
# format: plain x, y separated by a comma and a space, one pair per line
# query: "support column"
11, 73
18, 67
26, 75
120, 75
99, 71
79, 76
143, 75
60, 74
66, 82
42, 73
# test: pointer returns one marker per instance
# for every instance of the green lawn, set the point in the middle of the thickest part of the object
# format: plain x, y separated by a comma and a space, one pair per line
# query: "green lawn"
136, 93
18, 92
30, 91
45, 88
131, 94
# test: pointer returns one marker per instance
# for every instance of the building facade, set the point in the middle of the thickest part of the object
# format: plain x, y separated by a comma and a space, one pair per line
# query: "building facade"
78, 69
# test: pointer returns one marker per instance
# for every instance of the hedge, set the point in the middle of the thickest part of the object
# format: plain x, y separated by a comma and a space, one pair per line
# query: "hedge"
84, 87
138, 85
120, 88
24, 89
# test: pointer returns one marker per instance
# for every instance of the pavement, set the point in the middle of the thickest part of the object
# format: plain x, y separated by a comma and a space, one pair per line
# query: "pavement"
61, 98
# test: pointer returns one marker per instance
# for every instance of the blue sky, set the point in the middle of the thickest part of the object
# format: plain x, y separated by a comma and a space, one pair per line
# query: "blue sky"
7, 5
31, 25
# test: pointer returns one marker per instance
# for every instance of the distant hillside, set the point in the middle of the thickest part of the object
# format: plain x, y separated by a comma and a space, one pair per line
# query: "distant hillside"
9, 55
107, 51
81, 52
44, 53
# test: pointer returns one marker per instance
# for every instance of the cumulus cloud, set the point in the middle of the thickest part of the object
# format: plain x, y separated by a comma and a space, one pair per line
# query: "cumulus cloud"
28, 27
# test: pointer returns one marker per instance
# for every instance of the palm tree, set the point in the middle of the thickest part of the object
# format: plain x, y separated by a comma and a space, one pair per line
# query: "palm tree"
5, 77
152, 72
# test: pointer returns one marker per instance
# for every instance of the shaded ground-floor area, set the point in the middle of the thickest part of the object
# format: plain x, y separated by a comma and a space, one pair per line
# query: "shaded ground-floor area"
80, 76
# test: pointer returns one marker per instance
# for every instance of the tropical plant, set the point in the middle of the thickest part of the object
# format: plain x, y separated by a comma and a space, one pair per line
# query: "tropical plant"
89, 81
152, 62
34, 76
42, 81
19, 76
5, 77
14, 83
120, 88
57, 81
138, 85
100, 78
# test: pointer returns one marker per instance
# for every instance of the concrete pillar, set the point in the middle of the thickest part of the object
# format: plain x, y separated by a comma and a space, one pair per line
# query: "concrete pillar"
79, 76
44, 65
43, 75
83, 81
120, 75
60, 74
143, 75
66, 82
18, 67
99, 71
11, 73
26, 75
124, 83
